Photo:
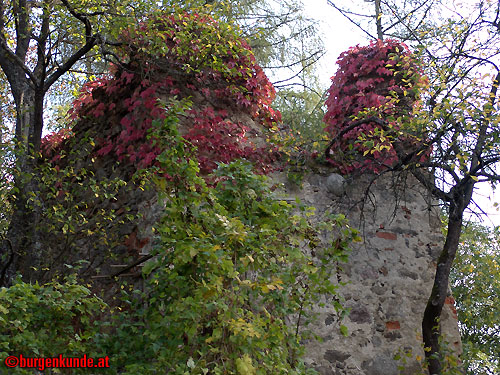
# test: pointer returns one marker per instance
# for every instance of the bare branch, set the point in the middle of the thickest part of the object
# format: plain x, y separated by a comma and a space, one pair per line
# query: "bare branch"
301, 70
330, 2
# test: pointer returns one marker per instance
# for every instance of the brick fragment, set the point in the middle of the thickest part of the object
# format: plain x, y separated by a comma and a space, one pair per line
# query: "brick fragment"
392, 325
387, 236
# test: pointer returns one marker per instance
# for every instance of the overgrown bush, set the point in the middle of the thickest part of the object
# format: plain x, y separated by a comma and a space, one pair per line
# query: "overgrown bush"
235, 274
48, 321
230, 290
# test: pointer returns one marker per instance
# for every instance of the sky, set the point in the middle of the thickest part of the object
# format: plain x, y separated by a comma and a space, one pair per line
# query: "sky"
338, 35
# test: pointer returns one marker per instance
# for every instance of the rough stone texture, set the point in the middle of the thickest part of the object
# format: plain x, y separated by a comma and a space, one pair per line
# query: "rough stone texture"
335, 184
389, 276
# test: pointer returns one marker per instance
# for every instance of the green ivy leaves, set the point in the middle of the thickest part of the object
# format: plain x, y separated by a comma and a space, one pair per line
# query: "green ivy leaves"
232, 284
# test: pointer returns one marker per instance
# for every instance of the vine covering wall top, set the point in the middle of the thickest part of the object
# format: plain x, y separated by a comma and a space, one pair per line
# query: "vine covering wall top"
186, 56
375, 85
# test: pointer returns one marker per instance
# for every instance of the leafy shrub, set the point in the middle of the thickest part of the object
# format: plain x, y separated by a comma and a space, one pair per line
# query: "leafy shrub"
235, 274
48, 321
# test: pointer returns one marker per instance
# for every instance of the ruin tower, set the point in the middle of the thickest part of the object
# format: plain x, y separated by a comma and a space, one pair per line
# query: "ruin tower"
388, 278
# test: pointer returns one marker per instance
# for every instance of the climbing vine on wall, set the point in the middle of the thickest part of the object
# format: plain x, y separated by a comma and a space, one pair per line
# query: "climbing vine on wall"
372, 97
182, 55
234, 278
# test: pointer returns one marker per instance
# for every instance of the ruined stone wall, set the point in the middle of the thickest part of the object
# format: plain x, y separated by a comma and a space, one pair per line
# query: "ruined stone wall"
388, 278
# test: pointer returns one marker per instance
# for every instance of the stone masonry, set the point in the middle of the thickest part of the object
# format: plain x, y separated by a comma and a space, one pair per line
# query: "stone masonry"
388, 278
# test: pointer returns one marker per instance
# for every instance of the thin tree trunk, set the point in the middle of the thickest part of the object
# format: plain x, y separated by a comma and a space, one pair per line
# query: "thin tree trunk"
378, 20
431, 329
19, 251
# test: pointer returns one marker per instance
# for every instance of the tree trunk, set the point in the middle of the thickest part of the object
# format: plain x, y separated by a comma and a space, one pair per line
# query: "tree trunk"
19, 251
430, 324
378, 20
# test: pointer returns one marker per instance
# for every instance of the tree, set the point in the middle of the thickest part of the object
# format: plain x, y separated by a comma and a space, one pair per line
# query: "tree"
475, 280
458, 120
284, 41
391, 18
39, 43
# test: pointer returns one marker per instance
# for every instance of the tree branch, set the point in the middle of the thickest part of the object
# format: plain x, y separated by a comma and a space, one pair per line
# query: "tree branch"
90, 42
330, 2
23, 32
353, 126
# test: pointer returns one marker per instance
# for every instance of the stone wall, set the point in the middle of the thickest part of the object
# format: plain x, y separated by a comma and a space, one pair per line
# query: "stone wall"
388, 278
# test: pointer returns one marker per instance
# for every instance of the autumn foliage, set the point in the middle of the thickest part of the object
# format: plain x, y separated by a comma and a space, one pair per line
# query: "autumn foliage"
186, 56
378, 81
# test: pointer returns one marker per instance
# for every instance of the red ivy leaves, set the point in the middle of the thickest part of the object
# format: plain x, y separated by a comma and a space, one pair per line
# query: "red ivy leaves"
53, 141
382, 78
213, 134
170, 55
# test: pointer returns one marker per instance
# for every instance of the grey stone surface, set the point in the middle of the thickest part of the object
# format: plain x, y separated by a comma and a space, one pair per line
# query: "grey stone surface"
360, 314
335, 184
334, 356
388, 277
383, 364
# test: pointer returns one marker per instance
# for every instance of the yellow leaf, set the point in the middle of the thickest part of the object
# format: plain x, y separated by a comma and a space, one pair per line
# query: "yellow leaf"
192, 252
244, 365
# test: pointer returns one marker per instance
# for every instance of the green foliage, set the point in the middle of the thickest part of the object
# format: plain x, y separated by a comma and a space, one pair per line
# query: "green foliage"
230, 290
79, 205
476, 287
450, 362
49, 320
302, 113
235, 274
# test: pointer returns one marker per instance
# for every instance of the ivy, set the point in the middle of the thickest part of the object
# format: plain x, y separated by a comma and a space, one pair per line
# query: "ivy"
183, 55
379, 81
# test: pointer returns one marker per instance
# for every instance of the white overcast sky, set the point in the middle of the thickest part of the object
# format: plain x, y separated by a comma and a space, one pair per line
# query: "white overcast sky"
338, 35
